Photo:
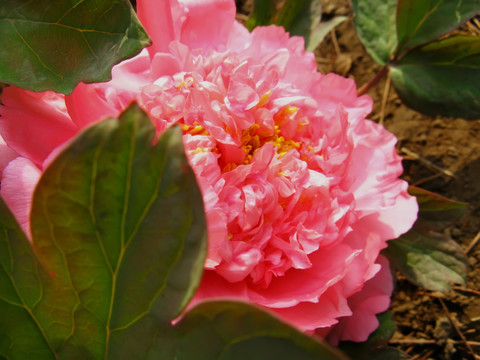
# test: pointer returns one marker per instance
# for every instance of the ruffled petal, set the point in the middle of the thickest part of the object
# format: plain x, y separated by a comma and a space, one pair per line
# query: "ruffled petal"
309, 316
373, 299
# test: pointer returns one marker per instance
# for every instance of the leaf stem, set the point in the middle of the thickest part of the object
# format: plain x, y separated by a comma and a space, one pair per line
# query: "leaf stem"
363, 90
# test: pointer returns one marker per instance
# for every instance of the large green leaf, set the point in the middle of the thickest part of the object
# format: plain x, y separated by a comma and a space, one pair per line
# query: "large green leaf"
55, 44
117, 220
441, 77
421, 21
375, 25
234, 330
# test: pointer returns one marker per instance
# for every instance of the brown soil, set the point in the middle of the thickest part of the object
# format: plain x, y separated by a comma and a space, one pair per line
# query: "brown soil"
429, 325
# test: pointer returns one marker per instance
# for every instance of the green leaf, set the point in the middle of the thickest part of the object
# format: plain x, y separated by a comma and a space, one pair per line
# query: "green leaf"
421, 21
118, 221
308, 24
291, 10
55, 44
21, 287
263, 14
441, 77
435, 211
375, 25
234, 330
428, 259
384, 332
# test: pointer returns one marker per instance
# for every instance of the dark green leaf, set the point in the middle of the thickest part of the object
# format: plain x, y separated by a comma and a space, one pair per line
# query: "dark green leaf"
263, 14
308, 24
118, 221
384, 332
428, 259
55, 44
290, 11
230, 330
375, 25
442, 77
421, 21
435, 211
21, 287
388, 353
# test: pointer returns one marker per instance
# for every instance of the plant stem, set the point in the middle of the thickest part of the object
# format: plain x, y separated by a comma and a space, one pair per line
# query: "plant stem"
363, 90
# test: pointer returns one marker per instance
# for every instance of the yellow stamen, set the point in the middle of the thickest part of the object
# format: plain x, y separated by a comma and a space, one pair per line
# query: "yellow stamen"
264, 99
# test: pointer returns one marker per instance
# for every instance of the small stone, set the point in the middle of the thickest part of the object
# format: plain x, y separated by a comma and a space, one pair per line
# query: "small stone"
443, 328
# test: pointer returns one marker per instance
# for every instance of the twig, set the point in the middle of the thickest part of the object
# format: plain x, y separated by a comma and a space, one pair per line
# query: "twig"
427, 179
413, 341
427, 162
424, 356
429, 342
386, 90
363, 90
476, 22
464, 340
335, 42
459, 288
473, 28
322, 60
474, 242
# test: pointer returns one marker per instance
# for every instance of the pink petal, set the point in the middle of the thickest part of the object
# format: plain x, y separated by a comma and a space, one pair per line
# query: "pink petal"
156, 18
325, 312
33, 124
307, 285
208, 23
373, 299
6, 155
18, 183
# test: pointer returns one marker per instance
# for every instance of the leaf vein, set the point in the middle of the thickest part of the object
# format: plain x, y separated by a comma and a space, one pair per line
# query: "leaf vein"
35, 53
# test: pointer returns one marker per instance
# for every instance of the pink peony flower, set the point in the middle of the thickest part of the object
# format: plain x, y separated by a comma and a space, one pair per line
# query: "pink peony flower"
301, 192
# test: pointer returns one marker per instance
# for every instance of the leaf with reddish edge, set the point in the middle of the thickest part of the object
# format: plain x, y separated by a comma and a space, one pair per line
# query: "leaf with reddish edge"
421, 21
441, 78
436, 211
54, 45
428, 258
